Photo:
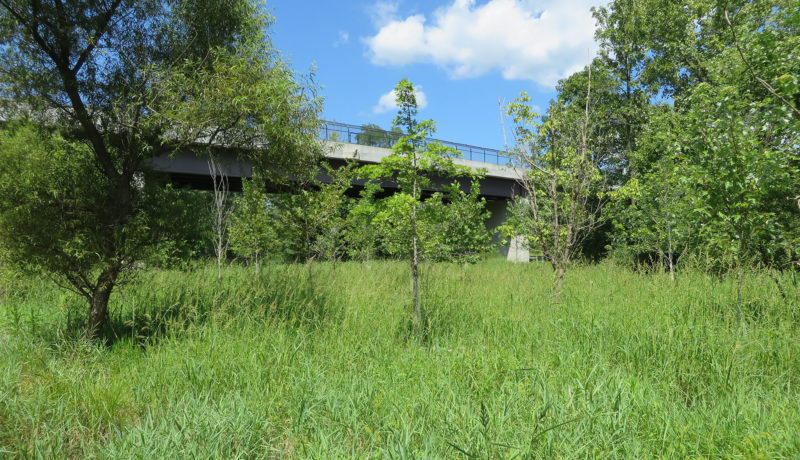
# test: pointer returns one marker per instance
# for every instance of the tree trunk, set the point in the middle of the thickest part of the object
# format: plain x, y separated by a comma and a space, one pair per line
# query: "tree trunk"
415, 291
558, 281
310, 266
98, 304
669, 254
671, 267
739, 294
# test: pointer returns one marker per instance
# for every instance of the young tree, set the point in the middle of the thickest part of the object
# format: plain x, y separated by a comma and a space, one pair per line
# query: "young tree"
220, 210
127, 81
564, 187
649, 215
361, 234
333, 204
730, 73
310, 220
412, 161
650, 212
738, 183
453, 225
252, 235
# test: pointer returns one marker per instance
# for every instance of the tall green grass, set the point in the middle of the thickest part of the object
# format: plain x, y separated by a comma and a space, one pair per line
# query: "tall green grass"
275, 365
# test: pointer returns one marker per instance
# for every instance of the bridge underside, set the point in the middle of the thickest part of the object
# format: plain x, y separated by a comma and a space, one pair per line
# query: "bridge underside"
187, 169
498, 185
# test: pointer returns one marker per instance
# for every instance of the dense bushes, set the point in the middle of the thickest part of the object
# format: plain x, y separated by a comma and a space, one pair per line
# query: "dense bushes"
321, 222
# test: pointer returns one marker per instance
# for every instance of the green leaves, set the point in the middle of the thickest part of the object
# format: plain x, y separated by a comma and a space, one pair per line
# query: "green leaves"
564, 186
125, 81
404, 217
719, 151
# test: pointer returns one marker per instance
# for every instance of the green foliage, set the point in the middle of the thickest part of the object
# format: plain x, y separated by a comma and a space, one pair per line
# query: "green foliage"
719, 158
126, 81
740, 183
453, 226
178, 224
373, 135
449, 225
53, 203
331, 243
361, 233
393, 225
648, 212
245, 101
561, 173
410, 165
304, 224
253, 235
54, 209
413, 159
321, 222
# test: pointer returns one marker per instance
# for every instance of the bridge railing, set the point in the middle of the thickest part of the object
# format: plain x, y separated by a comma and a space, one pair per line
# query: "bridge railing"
362, 135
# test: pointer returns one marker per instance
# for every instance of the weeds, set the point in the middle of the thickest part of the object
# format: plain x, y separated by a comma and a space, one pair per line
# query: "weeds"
265, 365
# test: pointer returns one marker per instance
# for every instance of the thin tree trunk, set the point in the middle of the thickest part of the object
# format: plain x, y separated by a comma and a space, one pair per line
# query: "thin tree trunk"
558, 281
310, 266
558, 256
671, 267
739, 294
739, 276
415, 291
220, 211
669, 253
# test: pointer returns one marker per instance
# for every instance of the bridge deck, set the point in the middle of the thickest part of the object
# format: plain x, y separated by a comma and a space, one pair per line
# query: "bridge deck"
499, 180
367, 136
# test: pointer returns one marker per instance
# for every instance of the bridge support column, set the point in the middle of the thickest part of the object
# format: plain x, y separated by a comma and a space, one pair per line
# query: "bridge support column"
515, 250
518, 250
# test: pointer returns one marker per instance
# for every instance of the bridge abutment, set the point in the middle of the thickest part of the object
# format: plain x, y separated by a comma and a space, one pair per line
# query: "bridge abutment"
515, 249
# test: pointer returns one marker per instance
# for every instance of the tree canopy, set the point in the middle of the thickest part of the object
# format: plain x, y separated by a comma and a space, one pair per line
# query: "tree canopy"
112, 83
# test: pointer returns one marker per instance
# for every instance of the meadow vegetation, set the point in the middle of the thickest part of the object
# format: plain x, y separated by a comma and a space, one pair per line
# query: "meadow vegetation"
266, 365
670, 161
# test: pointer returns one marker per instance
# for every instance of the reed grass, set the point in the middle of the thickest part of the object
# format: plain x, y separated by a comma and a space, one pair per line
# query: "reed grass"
277, 365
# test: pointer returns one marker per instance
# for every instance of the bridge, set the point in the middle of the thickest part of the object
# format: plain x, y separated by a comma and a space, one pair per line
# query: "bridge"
367, 145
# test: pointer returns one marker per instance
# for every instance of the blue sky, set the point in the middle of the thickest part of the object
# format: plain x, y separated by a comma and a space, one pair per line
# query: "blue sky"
461, 54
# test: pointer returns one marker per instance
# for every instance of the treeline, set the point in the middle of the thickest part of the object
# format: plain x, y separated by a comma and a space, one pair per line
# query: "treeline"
320, 221
679, 142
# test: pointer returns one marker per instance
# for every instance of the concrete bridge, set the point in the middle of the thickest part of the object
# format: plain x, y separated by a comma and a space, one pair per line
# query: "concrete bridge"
346, 142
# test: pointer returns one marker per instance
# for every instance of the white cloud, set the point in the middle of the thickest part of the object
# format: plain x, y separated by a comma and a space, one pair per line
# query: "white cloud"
382, 12
538, 40
344, 37
387, 102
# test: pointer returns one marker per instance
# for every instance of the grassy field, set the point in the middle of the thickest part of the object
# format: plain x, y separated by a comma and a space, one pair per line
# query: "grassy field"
271, 366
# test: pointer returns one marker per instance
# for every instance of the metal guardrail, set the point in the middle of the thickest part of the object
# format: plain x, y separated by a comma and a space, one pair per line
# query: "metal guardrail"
353, 134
